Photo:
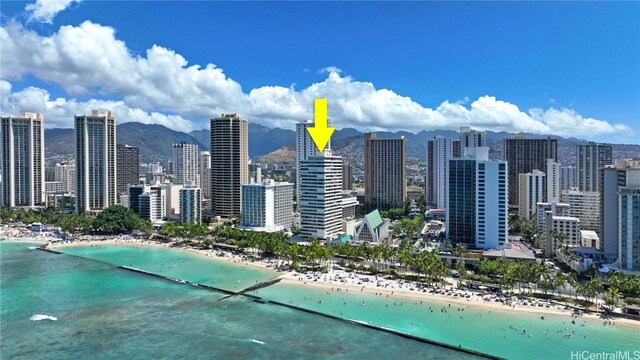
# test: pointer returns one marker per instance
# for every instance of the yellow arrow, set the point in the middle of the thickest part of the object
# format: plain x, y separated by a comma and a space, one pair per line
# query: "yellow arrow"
320, 133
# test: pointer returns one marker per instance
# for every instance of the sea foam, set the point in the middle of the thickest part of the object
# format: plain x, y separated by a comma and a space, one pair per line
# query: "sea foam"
257, 341
39, 317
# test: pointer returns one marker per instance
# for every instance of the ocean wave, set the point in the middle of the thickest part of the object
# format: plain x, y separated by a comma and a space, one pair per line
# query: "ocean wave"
39, 317
33, 247
257, 341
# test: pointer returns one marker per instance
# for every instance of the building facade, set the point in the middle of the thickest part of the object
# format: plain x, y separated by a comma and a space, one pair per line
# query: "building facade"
476, 210
95, 161
556, 208
472, 138
567, 177
320, 201
590, 158
152, 204
523, 155
185, 164
439, 151
553, 180
629, 227
229, 163
305, 147
204, 166
531, 191
190, 204
585, 206
128, 166
23, 172
385, 185
347, 176
66, 174
267, 206
618, 217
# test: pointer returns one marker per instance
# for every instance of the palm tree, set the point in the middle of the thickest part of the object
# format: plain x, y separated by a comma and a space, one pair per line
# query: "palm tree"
611, 298
559, 281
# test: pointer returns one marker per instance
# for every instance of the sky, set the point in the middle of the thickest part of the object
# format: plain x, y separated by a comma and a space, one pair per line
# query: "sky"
568, 68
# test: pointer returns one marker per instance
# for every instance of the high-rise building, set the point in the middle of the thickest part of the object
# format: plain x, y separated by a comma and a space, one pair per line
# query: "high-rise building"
347, 176
204, 164
553, 180
585, 206
523, 155
620, 217
128, 166
476, 210
152, 204
133, 196
305, 147
385, 185
567, 177
267, 206
531, 187
190, 204
472, 138
170, 167
439, 151
629, 227
66, 174
556, 209
23, 172
320, 201
95, 161
590, 158
185, 164
229, 163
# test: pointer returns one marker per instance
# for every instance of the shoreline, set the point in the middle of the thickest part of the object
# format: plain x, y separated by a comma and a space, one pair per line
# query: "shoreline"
441, 300
328, 281
209, 253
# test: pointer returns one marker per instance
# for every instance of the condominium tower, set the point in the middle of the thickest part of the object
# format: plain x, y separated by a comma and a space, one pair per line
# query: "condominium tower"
590, 158
524, 155
229, 163
384, 172
320, 201
439, 151
185, 164
95, 161
22, 160
128, 167
476, 211
305, 147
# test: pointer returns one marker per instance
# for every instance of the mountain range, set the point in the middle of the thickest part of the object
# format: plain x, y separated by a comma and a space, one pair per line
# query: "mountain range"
155, 143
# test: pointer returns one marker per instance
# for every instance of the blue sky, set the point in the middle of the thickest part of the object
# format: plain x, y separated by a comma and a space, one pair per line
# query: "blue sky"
580, 57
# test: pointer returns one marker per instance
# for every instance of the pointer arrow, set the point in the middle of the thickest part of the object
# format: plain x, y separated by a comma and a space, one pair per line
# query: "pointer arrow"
320, 133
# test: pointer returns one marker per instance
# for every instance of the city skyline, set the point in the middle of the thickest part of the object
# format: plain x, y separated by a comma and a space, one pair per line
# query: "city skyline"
364, 98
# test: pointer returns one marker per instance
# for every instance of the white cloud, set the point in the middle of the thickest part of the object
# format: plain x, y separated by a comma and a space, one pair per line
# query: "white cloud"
89, 61
45, 10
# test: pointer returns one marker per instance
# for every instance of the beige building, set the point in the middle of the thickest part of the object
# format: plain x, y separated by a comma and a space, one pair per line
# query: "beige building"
95, 161
531, 191
229, 163
585, 206
384, 172
22, 160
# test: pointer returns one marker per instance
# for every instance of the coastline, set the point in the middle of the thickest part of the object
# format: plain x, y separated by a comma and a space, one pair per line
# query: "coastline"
350, 282
216, 255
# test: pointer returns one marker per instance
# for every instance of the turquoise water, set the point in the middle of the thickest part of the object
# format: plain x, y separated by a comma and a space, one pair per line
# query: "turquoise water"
178, 264
108, 313
474, 328
496, 332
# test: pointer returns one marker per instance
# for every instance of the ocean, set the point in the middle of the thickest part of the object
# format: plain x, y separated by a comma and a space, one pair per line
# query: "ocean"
103, 312
117, 313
